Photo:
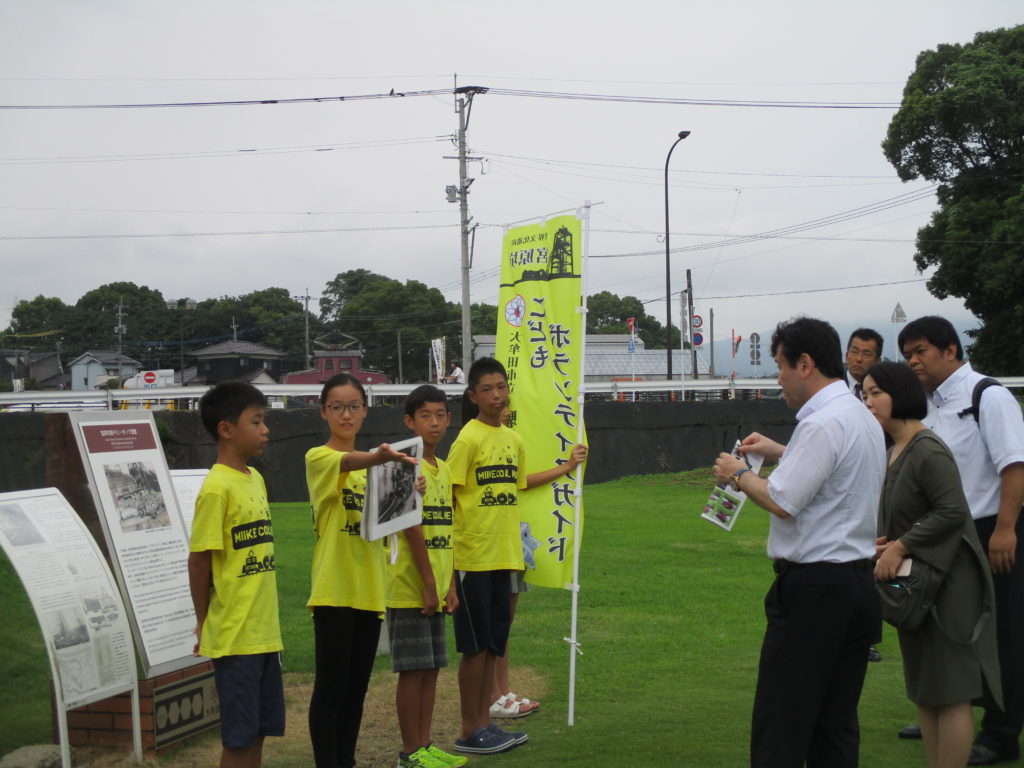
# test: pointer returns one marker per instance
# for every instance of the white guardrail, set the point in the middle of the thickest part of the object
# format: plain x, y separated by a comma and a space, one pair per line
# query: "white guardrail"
280, 394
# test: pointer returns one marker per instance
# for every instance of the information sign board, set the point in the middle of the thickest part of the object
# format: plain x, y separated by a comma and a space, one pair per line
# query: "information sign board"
146, 536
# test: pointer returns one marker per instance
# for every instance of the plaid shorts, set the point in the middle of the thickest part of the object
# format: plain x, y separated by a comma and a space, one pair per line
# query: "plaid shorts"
417, 641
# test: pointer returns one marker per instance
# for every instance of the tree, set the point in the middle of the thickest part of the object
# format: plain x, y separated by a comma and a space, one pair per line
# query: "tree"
961, 124
376, 309
94, 318
41, 314
607, 313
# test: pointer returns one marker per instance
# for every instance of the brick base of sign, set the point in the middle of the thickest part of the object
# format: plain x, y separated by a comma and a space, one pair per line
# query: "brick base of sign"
172, 707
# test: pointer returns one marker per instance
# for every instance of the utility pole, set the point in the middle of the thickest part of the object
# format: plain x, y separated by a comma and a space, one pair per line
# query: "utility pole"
306, 298
689, 302
234, 328
399, 355
120, 331
711, 341
463, 106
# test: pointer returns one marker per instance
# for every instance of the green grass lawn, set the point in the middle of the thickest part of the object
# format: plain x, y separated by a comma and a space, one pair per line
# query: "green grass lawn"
670, 624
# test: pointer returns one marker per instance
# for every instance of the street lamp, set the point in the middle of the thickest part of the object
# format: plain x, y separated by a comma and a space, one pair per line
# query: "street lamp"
668, 264
181, 305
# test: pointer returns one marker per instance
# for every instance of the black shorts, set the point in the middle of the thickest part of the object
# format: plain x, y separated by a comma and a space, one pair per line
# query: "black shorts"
251, 698
484, 615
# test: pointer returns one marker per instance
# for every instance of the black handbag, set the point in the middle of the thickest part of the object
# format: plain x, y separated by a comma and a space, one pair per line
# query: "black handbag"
907, 600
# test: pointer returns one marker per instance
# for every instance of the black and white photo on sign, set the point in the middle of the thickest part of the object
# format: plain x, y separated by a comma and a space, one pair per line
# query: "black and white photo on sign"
135, 489
17, 528
67, 628
392, 503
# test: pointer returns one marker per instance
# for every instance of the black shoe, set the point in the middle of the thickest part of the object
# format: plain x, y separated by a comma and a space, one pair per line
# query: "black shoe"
910, 732
982, 755
873, 654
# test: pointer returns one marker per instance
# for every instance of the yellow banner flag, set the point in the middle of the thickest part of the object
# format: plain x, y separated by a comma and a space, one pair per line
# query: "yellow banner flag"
540, 342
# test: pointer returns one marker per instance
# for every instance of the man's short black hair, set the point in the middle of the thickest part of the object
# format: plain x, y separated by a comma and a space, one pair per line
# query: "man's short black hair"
226, 401
867, 334
900, 383
816, 338
937, 331
341, 380
483, 367
423, 394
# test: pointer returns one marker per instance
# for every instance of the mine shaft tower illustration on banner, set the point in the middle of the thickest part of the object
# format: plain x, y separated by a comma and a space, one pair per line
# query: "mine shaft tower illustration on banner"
540, 342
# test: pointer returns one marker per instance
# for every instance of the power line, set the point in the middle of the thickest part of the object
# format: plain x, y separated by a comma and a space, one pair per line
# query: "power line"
623, 99
561, 95
236, 103
807, 290
677, 171
369, 144
836, 218
226, 234
220, 212
792, 293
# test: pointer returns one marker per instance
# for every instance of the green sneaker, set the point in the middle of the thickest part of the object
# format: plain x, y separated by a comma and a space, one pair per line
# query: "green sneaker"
420, 759
455, 761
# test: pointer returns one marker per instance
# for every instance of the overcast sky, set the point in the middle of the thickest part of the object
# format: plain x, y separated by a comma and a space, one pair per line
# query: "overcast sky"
372, 172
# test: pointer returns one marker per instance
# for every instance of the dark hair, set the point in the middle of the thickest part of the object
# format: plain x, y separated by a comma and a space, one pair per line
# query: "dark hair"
816, 338
423, 394
900, 383
483, 367
937, 331
470, 410
226, 401
341, 380
867, 334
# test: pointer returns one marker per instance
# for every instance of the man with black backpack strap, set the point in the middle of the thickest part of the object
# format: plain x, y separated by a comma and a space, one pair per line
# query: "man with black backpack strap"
981, 423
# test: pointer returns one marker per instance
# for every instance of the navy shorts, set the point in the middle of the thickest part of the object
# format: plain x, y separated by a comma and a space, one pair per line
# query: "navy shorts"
251, 698
484, 615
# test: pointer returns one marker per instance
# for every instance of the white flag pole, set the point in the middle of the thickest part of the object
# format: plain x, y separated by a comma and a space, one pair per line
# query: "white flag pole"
574, 587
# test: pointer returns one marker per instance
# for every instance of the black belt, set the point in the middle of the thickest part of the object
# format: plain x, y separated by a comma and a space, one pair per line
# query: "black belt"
781, 566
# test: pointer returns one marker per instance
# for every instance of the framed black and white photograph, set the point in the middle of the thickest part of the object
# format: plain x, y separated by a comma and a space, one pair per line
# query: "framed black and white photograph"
392, 503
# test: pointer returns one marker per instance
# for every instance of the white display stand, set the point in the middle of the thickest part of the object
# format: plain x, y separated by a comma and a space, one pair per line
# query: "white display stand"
76, 601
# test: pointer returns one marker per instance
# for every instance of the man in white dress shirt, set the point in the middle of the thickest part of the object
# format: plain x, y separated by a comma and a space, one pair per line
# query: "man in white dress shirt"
863, 350
822, 609
989, 452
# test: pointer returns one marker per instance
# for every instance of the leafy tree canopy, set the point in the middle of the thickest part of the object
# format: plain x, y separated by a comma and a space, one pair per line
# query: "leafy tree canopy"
961, 124
607, 313
383, 312
39, 315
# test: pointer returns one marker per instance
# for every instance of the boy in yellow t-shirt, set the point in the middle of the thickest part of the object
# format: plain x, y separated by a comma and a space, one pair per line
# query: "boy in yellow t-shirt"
231, 576
486, 462
420, 588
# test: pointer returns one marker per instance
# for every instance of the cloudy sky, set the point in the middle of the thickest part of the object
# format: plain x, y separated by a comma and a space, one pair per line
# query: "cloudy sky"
207, 201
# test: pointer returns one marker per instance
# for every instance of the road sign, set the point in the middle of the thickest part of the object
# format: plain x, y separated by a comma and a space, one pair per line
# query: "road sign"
149, 379
698, 339
698, 322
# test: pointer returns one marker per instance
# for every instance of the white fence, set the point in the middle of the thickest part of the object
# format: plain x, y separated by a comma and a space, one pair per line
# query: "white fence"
299, 395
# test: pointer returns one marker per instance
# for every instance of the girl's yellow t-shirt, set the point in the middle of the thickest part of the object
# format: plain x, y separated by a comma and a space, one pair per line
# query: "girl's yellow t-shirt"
404, 584
232, 522
347, 570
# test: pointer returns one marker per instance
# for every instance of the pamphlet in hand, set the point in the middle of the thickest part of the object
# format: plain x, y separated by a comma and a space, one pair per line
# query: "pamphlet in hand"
724, 504
392, 503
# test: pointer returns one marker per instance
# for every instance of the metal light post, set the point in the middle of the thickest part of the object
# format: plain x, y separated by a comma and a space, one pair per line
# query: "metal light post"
668, 265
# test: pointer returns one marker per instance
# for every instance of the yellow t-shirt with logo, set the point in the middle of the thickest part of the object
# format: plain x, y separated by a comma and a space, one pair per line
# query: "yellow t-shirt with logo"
404, 584
487, 469
347, 570
232, 522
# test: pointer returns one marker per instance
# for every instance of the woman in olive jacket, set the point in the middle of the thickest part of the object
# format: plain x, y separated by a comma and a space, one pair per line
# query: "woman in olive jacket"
950, 659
